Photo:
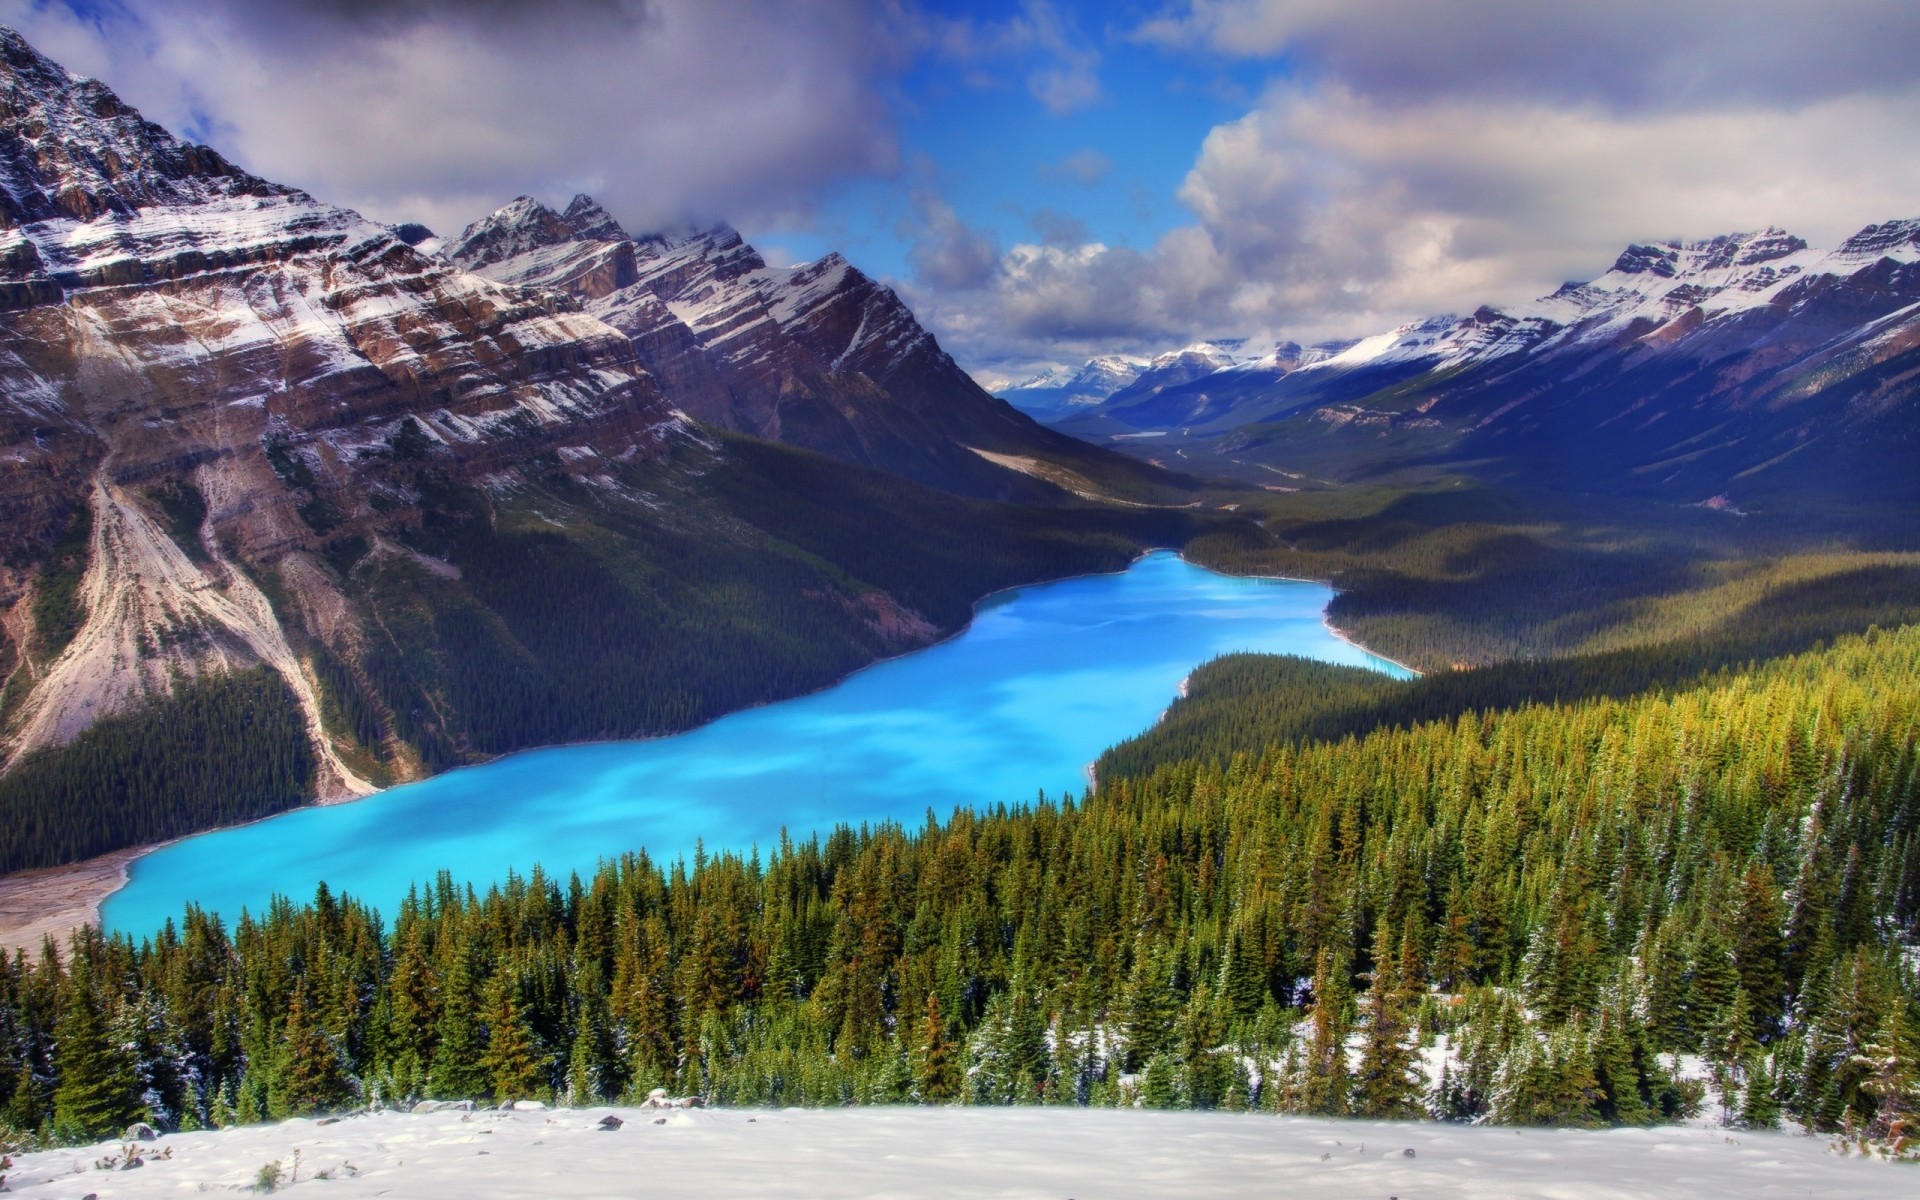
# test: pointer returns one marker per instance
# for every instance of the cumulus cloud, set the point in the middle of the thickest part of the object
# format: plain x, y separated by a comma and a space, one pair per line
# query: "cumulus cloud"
1416, 159
440, 110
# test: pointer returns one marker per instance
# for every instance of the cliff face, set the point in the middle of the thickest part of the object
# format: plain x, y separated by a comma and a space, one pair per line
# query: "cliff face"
181, 337
819, 355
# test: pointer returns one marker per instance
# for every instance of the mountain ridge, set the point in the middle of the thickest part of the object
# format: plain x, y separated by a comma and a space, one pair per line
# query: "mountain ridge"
818, 354
1687, 369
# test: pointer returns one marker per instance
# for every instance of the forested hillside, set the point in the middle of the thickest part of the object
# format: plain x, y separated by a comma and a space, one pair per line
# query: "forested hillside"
733, 573
1554, 899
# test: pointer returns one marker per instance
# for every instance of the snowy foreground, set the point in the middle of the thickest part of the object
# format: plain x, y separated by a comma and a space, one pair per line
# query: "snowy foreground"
1082, 1154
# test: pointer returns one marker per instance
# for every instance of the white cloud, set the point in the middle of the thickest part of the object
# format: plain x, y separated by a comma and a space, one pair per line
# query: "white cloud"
439, 111
1527, 145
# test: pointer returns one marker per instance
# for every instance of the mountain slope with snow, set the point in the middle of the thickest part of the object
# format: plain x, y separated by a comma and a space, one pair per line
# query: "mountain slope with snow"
171, 322
1749, 365
820, 354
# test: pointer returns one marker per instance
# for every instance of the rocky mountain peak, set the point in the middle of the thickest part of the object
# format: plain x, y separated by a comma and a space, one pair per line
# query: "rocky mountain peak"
1648, 260
590, 222
520, 225
1878, 239
525, 224
69, 147
724, 253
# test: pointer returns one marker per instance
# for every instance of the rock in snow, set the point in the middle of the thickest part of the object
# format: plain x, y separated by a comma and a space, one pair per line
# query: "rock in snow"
965, 1152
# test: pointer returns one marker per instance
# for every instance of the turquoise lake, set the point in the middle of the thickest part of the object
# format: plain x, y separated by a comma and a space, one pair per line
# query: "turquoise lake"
1044, 679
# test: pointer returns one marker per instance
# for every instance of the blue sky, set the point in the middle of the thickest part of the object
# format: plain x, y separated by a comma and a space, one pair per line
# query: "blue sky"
1045, 180
1104, 160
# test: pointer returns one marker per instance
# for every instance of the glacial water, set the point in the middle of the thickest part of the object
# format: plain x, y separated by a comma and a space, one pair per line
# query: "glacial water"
1044, 679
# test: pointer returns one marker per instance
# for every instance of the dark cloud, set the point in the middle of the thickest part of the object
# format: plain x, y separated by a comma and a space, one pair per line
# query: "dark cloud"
1625, 54
1057, 228
948, 254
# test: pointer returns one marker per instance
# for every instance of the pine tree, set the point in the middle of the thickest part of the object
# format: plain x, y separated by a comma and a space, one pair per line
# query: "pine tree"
936, 1075
456, 1071
1009, 1050
98, 1092
1149, 1004
1243, 978
1325, 1079
1619, 1057
1759, 1101
1760, 948
26, 1107
1160, 1082
309, 1077
1712, 984
1389, 1082
1890, 1075
513, 1068
412, 1013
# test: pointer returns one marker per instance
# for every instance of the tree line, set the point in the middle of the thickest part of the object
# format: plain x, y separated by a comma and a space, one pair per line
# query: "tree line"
1564, 897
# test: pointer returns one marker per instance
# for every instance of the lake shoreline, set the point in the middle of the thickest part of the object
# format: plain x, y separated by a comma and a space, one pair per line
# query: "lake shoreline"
60, 900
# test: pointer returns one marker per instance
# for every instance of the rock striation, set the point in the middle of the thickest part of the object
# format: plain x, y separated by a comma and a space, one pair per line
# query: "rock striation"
819, 355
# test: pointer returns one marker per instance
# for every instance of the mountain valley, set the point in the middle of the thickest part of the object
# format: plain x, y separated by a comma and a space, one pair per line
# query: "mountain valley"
263, 452
1559, 764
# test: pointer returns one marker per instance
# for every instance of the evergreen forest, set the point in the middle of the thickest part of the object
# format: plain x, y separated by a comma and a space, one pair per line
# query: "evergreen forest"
1698, 895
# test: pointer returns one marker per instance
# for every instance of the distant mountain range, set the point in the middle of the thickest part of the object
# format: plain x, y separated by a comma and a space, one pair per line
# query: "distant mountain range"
455, 495
1746, 369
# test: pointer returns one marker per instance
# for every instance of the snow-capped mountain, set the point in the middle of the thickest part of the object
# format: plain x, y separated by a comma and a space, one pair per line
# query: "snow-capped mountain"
244, 430
818, 354
1749, 362
170, 320
1060, 390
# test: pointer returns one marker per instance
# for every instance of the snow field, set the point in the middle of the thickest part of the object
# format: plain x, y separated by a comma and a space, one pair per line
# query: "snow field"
1062, 1154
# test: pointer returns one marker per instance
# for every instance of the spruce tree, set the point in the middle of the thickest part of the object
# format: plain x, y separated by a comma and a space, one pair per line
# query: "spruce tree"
1389, 1081
936, 1074
1325, 1079
1890, 1075
456, 1072
514, 1070
1149, 1004
309, 1077
98, 1092
1759, 1100
1760, 948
